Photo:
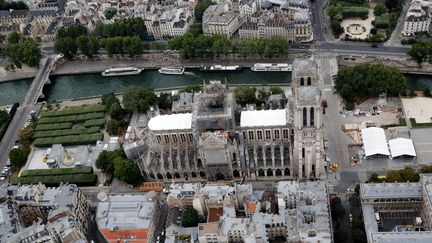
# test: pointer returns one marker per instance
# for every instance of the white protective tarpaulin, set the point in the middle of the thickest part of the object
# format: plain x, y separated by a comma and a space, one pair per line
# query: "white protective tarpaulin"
259, 118
402, 146
374, 141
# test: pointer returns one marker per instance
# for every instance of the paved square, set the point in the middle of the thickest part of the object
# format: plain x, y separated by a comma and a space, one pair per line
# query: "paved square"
419, 108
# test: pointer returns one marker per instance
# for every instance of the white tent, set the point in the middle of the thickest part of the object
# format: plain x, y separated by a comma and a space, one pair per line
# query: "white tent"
402, 146
374, 141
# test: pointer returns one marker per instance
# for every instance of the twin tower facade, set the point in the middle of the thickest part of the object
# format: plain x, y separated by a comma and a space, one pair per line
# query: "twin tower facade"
215, 139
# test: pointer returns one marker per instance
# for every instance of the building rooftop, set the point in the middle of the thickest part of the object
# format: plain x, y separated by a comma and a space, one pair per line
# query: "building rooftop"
374, 141
125, 212
390, 190
402, 237
261, 118
179, 121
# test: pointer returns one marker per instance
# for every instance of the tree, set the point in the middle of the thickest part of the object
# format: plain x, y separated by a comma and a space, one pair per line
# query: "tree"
30, 52
138, 98
393, 176
66, 46
427, 92
127, 171
18, 156
117, 112
196, 29
4, 117
26, 136
374, 178
341, 235
336, 27
380, 9
245, 95
16, 5
109, 99
409, 174
190, 218
14, 38
358, 236
105, 161
421, 51
88, 45
110, 13
133, 46
338, 211
392, 4
365, 80
164, 101
357, 189
201, 8
276, 90
112, 126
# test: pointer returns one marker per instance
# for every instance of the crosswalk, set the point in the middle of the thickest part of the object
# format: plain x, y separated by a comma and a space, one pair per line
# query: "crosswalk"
325, 55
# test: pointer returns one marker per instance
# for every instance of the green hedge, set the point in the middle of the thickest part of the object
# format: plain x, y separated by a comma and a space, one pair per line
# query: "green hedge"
95, 122
58, 171
55, 180
71, 118
53, 126
68, 140
355, 11
75, 111
382, 22
414, 124
66, 132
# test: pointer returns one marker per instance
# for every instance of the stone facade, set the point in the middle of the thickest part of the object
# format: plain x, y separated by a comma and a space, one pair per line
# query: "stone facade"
211, 143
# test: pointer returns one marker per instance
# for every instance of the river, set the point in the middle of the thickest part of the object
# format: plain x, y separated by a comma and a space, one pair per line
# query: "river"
84, 85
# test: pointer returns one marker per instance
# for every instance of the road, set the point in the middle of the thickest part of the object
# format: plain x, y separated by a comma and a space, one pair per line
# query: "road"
24, 109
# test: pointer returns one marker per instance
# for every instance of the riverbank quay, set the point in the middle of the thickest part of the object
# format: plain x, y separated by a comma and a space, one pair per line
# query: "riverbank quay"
405, 66
82, 65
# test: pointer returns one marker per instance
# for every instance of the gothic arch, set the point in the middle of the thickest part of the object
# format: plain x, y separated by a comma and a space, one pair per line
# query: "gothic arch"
168, 175
301, 81
269, 172
194, 175
219, 176
185, 175
236, 173
260, 172
160, 176
309, 81
177, 175
278, 172
202, 174
287, 172
312, 116
152, 175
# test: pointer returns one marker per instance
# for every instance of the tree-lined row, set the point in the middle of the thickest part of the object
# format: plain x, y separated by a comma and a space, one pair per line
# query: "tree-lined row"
75, 111
71, 118
203, 46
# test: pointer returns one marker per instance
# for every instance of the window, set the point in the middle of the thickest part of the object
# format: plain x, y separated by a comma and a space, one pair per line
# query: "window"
309, 81
174, 138
182, 138
312, 116
267, 134
190, 137
251, 135
304, 117
166, 138
158, 137
285, 133
303, 153
301, 81
259, 135
276, 134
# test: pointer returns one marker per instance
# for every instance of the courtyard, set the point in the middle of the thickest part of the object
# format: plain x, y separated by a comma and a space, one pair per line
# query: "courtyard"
419, 108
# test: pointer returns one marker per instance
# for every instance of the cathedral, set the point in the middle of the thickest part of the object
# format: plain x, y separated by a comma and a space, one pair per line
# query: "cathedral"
209, 137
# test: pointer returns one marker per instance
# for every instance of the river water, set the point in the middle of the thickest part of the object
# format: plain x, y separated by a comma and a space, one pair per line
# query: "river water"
84, 85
